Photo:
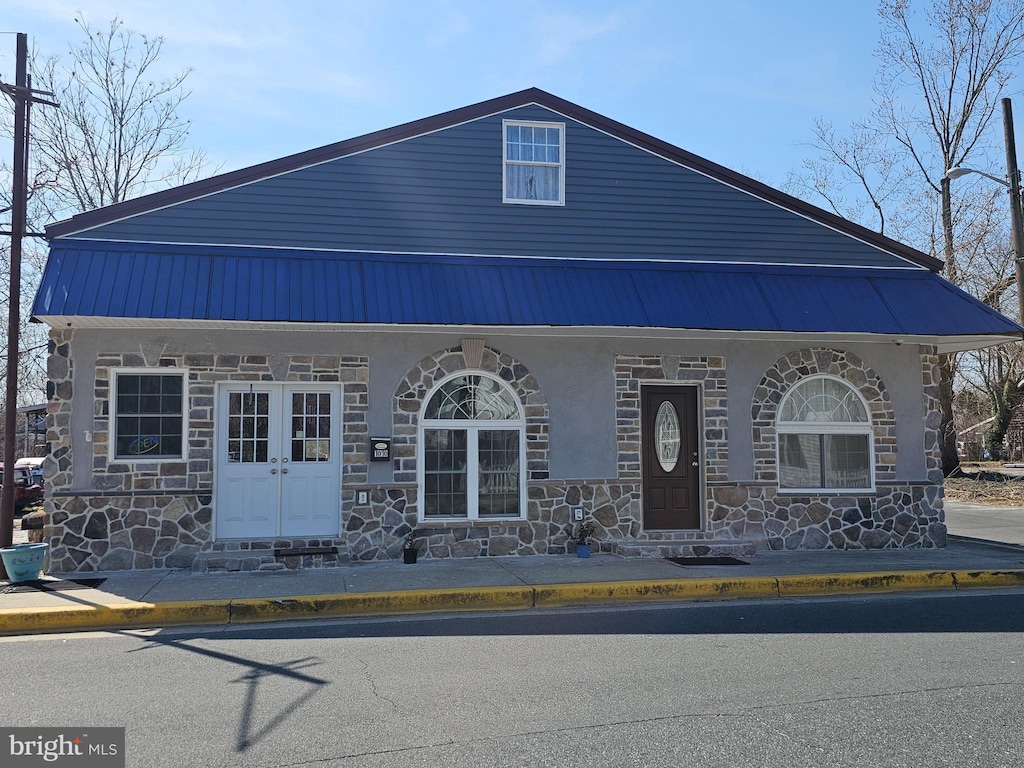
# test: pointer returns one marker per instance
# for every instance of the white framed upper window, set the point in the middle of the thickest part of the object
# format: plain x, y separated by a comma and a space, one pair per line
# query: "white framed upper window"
147, 415
534, 163
825, 438
472, 447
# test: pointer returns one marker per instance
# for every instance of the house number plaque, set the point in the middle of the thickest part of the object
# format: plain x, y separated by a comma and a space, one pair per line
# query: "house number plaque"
380, 449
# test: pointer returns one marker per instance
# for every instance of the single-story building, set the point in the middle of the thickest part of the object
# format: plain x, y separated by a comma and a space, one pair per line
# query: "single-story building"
483, 325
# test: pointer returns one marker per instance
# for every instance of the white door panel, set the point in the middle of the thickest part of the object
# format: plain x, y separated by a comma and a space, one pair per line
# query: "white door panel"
278, 469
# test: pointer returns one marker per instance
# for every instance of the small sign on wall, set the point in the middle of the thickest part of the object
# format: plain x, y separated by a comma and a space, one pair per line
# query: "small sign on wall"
380, 449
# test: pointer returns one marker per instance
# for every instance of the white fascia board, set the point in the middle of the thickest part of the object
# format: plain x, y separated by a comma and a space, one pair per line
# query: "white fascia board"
944, 344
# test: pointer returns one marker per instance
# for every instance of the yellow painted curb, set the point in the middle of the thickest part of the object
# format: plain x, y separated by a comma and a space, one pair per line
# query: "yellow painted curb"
973, 579
382, 603
550, 595
22, 621
127, 615
845, 583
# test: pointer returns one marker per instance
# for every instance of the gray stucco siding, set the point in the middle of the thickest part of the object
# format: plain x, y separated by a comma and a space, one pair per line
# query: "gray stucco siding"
575, 376
441, 193
582, 436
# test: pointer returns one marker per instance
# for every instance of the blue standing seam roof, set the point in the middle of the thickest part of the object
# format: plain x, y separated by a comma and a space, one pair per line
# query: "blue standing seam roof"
237, 283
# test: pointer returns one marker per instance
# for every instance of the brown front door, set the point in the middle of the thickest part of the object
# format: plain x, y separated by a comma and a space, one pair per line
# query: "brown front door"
671, 457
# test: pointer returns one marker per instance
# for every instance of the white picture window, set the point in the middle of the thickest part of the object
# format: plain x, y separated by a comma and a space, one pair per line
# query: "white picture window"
472, 451
825, 438
534, 163
148, 415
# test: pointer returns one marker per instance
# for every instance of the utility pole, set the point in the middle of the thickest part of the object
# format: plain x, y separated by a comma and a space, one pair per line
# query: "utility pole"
1016, 219
22, 95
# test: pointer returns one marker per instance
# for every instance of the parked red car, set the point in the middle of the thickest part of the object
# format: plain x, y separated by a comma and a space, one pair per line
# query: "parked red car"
26, 488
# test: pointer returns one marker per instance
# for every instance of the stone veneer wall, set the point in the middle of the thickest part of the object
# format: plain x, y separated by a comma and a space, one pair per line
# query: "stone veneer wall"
930, 374
421, 380
632, 371
799, 365
159, 515
392, 513
897, 514
138, 515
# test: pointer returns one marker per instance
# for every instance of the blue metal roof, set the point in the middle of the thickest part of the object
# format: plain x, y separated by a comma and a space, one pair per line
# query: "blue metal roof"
86, 278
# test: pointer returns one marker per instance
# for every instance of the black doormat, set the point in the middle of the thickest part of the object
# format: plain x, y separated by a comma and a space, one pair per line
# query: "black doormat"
724, 560
51, 585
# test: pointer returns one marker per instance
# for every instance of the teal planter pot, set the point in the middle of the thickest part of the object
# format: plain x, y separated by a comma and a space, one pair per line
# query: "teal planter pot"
582, 550
24, 562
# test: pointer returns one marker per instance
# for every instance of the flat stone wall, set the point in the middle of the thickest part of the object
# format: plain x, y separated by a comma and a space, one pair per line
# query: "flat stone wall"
709, 373
423, 377
904, 515
140, 515
796, 366
378, 530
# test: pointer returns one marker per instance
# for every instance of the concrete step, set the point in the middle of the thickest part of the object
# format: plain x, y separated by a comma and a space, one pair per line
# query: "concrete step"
275, 559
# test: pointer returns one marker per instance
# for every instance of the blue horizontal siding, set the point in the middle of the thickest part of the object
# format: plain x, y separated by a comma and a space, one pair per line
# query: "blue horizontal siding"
125, 280
441, 193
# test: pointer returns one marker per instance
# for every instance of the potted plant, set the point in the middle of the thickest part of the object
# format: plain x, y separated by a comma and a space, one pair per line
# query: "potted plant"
24, 562
581, 534
410, 547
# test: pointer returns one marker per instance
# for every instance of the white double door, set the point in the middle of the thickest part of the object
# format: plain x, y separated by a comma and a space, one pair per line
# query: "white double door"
278, 460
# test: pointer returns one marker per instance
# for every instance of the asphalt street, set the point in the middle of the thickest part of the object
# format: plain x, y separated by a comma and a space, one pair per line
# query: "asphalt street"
920, 679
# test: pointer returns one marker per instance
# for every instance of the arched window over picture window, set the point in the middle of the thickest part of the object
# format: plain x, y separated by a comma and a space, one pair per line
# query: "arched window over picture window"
472, 449
825, 438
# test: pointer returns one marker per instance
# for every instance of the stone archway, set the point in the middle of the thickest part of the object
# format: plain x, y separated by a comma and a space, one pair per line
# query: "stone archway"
472, 355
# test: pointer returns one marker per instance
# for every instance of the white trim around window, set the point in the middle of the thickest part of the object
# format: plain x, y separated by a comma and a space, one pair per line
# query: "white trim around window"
836, 452
472, 460
533, 162
147, 416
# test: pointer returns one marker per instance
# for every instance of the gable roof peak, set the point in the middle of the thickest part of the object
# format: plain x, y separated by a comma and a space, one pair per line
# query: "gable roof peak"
533, 95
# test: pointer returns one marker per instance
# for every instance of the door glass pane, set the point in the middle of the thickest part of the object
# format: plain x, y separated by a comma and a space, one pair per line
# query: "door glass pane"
444, 480
666, 436
311, 426
248, 427
499, 472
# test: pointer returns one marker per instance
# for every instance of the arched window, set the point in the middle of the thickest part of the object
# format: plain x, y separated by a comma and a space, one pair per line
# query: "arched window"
824, 438
472, 448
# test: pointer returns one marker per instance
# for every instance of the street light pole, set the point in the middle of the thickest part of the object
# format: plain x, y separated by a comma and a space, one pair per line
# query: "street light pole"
1016, 218
1012, 183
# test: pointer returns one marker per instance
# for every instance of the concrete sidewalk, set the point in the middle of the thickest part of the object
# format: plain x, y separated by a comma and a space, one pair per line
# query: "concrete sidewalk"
165, 598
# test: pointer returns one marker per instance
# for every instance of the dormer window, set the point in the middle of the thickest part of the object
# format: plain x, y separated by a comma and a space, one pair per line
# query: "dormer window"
534, 163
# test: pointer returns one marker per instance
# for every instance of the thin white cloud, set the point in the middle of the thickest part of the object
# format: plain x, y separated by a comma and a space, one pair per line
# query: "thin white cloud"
560, 35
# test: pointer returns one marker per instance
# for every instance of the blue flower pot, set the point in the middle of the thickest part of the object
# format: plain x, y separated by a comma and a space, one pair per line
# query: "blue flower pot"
24, 562
582, 550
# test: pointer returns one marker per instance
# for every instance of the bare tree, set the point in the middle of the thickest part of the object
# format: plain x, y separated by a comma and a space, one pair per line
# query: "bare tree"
117, 134
941, 74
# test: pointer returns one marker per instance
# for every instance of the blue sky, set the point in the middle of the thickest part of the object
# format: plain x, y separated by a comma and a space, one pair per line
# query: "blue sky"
736, 81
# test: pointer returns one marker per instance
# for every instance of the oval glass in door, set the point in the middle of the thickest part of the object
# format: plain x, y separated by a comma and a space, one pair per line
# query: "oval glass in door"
666, 436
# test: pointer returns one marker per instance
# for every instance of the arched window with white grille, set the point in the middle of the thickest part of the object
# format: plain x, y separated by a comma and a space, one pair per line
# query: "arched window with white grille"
825, 438
472, 450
